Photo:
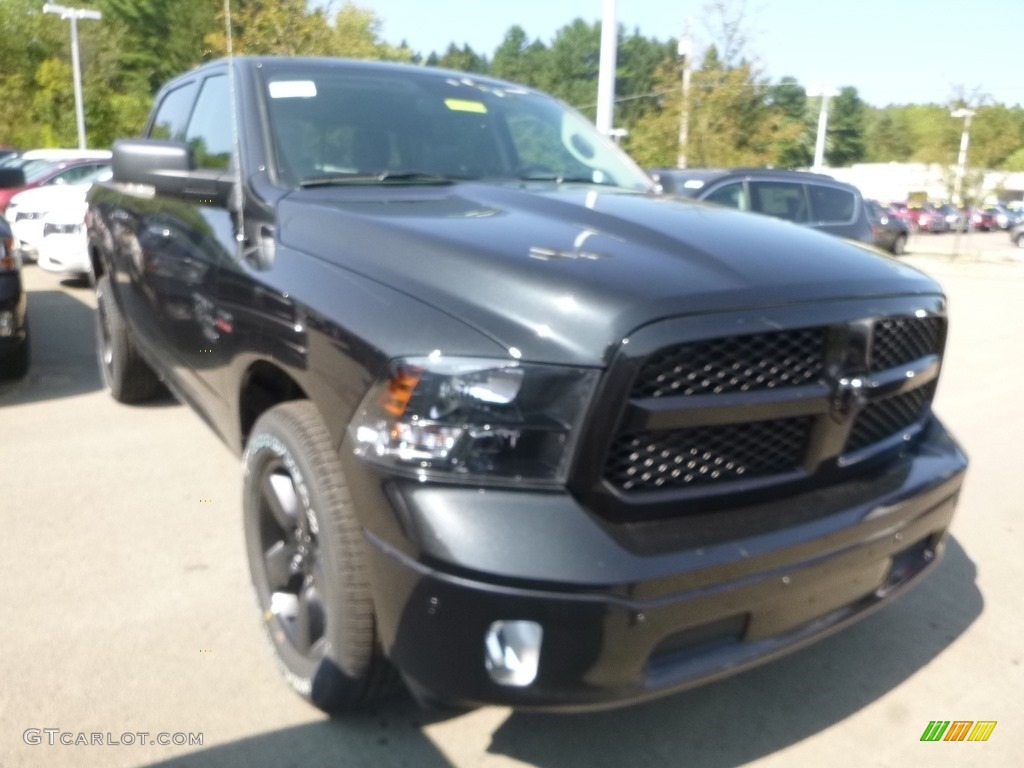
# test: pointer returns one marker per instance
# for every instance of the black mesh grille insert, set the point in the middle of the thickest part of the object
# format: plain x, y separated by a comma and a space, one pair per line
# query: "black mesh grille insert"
734, 364
889, 416
899, 340
702, 455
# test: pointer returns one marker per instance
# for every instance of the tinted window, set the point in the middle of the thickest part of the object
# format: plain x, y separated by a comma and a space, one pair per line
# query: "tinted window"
333, 122
831, 205
731, 195
780, 199
76, 174
172, 115
209, 130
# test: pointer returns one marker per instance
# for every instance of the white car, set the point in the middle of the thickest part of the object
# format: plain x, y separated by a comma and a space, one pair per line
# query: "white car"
64, 247
28, 210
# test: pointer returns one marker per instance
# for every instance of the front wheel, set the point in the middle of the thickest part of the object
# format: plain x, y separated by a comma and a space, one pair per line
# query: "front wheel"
307, 562
899, 245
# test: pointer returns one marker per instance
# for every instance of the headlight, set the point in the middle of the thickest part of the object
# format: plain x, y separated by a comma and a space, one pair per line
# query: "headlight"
471, 418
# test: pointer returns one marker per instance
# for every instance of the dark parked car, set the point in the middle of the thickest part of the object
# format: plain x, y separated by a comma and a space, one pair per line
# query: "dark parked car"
1017, 235
957, 220
14, 349
889, 231
515, 427
809, 199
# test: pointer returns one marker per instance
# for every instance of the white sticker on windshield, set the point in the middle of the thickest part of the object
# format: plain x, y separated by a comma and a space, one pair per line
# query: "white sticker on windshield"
292, 89
693, 184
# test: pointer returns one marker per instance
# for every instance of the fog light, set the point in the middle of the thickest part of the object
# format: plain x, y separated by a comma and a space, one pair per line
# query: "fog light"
6, 324
513, 652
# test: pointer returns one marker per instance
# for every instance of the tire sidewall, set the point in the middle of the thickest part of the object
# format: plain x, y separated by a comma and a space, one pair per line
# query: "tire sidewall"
271, 442
105, 331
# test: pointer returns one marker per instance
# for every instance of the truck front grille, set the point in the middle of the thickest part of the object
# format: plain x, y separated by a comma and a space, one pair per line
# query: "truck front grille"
734, 364
889, 416
899, 340
702, 455
767, 405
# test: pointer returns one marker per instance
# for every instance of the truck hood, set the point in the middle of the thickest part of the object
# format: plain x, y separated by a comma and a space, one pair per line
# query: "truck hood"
563, 274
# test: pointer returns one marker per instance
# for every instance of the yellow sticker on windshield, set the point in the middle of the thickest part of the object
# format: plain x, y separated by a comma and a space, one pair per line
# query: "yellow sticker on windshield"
465, 105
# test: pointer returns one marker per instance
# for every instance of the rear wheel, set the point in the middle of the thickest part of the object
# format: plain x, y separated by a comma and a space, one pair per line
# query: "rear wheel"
899, 245
307, 561
128, 377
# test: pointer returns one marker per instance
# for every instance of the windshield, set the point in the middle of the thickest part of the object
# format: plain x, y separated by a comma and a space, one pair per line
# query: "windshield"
340, 124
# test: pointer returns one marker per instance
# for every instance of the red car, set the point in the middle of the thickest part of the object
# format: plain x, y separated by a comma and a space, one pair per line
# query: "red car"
928, 218
39, 172
984, 219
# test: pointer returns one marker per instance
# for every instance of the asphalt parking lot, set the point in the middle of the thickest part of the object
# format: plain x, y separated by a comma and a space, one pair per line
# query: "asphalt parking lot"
128, 610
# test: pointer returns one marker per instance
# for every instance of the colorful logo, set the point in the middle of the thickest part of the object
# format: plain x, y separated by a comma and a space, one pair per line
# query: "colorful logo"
958, 730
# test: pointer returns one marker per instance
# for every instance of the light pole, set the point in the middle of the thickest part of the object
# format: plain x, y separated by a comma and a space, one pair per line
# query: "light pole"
961, 161
606, 70
685, 50
73, 15
819, 144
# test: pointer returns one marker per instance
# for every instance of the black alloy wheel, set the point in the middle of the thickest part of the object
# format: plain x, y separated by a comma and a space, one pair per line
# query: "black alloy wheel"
307, 563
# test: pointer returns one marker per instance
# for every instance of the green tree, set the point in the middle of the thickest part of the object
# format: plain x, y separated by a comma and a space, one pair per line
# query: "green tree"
572, 66
464, 59
846, 124
280, 27
520, 60
887, 136
795, 148
731, 122
356, 35
160, 38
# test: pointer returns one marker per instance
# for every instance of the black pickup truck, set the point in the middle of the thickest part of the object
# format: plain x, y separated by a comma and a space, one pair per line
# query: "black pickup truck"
515, 427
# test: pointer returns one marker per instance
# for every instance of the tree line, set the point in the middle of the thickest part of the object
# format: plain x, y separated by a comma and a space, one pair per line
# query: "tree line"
737, 116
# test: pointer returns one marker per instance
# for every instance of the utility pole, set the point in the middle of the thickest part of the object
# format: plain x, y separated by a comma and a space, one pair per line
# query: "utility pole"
961, 169
73, 15
819, 143
606, 70
685, 50
961, 161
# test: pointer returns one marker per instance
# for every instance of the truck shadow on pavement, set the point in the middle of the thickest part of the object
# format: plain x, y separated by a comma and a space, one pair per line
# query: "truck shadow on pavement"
727, 723
393, 737
62, 340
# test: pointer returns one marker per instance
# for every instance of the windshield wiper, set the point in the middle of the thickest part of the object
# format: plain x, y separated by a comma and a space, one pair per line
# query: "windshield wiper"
410, 177
564, 179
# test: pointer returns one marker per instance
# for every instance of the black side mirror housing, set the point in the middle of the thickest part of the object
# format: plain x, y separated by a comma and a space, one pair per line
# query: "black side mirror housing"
169, 167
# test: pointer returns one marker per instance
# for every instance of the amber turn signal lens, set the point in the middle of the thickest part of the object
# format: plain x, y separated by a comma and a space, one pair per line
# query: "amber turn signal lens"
399, 391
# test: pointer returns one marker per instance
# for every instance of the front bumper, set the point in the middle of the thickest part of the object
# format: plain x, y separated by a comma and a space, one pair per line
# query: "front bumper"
621, 625
64, 254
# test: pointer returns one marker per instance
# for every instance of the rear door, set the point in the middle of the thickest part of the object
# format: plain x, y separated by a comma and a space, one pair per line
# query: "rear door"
781, 199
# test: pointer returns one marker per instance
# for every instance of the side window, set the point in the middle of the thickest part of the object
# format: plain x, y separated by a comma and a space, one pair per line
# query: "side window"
209, 129
731, 195
172, 114
780, 199
831, 205
76, 174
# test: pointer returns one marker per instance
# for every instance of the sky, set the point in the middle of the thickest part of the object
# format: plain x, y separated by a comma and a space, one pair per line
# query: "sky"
891, 51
